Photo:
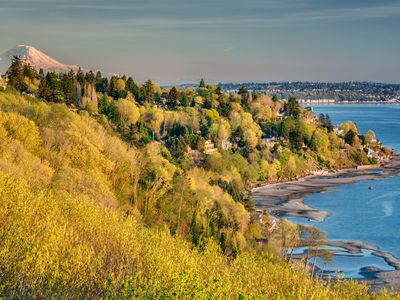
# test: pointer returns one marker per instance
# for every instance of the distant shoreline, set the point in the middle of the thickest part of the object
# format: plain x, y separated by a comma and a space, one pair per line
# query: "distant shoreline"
351, 102
287, 199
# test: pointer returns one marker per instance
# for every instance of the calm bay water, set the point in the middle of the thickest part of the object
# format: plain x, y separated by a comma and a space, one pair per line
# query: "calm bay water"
384, 119
357, 213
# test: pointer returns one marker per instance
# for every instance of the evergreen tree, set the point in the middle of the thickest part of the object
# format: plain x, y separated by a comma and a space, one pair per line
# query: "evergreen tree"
222, 242
69, 87
112, 88
202, 83
103, 86
185, 102
44, 90
296, 139
41, 74
132, 87
292, 108
89, 77
147, 92
98, 77
29, 72
99, 83
117, 88
80, 77
54, 84
328, 123
321, 119
245, 96
15, 75
173, 98
193, 228
207, 104
350, 137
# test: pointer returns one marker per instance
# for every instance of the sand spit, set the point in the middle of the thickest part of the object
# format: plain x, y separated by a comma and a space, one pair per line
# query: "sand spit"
287, 199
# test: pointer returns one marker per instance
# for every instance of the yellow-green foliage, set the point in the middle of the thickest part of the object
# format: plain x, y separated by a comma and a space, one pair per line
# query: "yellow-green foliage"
52, 147
347, 126
214, 194
48, 144
128, 111
58, 246
70, 196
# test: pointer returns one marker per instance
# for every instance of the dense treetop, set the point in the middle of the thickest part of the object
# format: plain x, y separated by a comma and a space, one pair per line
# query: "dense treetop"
149, 189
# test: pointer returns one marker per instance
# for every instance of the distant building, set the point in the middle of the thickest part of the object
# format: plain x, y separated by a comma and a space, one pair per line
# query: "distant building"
226, 145
309, 108
317, 101
267, 143
162, 104
373, 154
270, 141
338, 131
32, 95
209, 147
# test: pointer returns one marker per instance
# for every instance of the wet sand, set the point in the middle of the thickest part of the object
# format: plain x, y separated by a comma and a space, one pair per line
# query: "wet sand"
287, 199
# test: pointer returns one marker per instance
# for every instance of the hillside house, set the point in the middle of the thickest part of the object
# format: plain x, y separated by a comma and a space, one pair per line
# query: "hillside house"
267, 143
373, 154
163, 103
32, 95
209, 147
226, 145
309, 108
338, 131
270, 141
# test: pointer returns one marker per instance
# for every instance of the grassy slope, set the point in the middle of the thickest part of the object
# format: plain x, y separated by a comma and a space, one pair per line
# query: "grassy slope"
65, 234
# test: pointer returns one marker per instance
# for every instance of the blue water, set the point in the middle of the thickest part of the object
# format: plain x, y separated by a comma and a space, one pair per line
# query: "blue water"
348, 264
357, 213
384, 119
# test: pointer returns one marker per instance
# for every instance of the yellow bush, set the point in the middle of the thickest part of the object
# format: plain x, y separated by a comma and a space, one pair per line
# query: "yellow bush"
54, 245
64, 234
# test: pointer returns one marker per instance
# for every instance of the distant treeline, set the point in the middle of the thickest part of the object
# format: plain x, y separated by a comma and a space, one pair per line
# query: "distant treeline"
341, 91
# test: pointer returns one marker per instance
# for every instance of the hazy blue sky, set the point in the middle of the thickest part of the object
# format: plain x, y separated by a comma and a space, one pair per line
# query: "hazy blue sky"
220, 40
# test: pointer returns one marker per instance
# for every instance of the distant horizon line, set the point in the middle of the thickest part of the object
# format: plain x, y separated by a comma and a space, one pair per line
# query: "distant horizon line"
182, 81
284, 81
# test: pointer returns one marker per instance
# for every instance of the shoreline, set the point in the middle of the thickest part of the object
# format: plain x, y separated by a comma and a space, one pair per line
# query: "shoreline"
287, 199
352, 102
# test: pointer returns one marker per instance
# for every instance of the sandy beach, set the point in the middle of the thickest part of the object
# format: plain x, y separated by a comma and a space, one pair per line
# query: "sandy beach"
287, 199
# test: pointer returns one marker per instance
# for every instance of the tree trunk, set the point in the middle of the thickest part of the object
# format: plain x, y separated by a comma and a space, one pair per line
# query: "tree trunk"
313, 268
179, 213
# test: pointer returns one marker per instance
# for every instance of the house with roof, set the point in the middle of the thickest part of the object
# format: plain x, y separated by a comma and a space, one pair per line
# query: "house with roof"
209, 147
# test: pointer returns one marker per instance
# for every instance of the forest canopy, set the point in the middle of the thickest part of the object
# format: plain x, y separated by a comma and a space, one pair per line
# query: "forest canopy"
113, 188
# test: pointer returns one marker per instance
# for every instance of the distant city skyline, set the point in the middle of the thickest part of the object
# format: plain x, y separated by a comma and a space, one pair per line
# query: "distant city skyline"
181, 41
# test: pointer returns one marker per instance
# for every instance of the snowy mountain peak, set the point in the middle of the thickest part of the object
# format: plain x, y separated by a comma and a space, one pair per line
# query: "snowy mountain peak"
35, 58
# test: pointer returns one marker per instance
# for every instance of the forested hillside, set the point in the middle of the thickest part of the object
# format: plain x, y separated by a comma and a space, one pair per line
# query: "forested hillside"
112, 189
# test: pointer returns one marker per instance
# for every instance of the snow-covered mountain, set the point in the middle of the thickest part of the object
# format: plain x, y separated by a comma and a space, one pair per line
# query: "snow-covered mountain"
35, 58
